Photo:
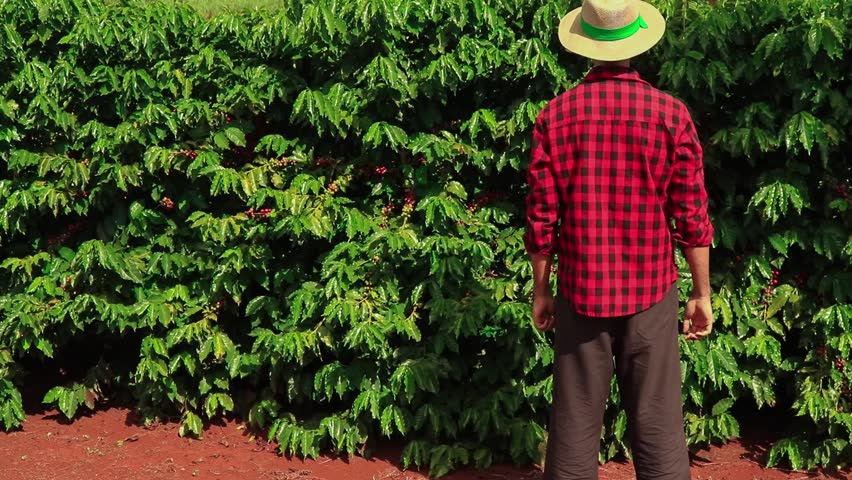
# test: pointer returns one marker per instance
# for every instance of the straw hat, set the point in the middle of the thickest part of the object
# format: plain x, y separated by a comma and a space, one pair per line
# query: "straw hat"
611, 30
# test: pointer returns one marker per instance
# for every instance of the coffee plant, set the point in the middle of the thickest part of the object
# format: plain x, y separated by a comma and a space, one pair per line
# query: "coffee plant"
312, 218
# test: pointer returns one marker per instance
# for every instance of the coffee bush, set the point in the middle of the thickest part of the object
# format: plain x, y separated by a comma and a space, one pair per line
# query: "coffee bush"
312, 218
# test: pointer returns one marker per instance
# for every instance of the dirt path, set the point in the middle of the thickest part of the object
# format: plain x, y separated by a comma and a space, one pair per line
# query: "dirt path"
109, 445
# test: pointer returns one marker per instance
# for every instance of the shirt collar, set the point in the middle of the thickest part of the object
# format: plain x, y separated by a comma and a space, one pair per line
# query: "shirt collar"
606, 72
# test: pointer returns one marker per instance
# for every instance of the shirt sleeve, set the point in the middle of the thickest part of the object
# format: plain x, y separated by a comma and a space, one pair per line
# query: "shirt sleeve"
542, 200
687, 196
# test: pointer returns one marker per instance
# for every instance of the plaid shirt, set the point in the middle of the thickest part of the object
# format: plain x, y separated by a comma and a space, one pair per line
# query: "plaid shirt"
616, 178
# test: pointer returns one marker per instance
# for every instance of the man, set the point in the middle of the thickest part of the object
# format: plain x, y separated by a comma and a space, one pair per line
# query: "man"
616, 180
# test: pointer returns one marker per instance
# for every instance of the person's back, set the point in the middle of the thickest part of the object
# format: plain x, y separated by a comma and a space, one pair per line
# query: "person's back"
616, 181
624, 158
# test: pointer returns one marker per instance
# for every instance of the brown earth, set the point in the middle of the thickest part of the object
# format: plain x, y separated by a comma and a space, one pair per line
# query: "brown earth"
109, 444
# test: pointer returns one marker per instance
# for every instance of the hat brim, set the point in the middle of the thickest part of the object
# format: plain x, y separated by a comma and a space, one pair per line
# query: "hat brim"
575, 40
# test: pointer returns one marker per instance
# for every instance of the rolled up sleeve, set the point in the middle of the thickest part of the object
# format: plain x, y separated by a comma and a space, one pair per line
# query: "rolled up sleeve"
542, 203
687, 196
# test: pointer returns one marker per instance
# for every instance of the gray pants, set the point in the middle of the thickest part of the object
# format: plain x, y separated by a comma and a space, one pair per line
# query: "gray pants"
647, 365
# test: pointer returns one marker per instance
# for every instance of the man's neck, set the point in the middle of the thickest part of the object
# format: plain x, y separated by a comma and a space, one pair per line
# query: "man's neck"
621, 64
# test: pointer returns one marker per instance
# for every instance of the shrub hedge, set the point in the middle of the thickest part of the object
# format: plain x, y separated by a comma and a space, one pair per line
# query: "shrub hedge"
312, 218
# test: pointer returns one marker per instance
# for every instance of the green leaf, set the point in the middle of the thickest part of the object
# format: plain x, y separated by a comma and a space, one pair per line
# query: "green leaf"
830, 240
235, 136
776, 198
457, 189
53, 395
720, 363
782, 295
415, 453
401, 420
387, 420
814, 38
723, 306
722, 406
221, 140
780, 243
804, 129
764, 346
790, 448
191, 424
384, 134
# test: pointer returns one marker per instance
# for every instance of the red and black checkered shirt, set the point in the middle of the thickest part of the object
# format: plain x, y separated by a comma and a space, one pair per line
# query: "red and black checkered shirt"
616, 178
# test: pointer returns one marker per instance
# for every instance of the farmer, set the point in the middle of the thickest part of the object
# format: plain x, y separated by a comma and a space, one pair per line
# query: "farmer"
616, 179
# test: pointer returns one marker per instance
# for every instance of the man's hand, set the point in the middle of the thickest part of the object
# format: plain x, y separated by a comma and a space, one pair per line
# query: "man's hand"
698, 318
544, 311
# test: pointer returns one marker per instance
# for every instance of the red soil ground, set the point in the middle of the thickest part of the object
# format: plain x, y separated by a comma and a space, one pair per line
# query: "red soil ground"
110, 445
